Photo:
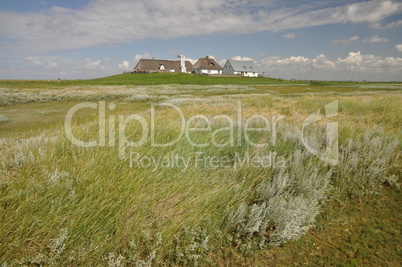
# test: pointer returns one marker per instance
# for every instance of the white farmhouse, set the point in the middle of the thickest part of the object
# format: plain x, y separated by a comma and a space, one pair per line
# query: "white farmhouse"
207, 65
240, 67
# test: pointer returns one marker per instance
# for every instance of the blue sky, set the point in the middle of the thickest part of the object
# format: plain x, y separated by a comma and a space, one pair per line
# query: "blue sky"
80, 39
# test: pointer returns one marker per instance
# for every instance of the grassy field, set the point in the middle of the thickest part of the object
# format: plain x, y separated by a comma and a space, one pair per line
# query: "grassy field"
140, 79
180, 78
119, 205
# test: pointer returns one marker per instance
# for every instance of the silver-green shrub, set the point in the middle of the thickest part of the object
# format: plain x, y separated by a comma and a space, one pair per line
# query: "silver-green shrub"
3, 118
365, 163
284, 206
190, 245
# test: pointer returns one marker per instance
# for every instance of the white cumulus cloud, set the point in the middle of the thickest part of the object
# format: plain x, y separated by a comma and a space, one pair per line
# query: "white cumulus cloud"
398, 47
91, 65
346, 41
52, 65
137, 57
242, 58
125, 65
34, 60
375, 39
40, 62
289, 35
355, 66
395, 24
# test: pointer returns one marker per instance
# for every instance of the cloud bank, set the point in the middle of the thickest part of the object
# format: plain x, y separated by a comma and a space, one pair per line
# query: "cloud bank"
355, 66
347, 41
105, 23
375, 39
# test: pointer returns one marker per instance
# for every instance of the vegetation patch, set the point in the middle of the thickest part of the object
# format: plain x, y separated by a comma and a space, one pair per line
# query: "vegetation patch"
224, 201
3, 118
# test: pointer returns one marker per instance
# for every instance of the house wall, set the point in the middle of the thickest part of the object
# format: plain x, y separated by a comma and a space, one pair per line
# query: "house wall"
198, 71
228, 69
242, 73
205, 71
214, 72
250, 74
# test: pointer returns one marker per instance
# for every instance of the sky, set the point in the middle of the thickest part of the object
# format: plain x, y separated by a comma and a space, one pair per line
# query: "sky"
291, 39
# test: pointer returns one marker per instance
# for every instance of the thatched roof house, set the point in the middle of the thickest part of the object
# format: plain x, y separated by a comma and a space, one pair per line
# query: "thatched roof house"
156, 65
207, 65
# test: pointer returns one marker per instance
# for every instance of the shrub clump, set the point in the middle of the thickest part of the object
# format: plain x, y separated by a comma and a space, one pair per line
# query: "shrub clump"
285, 206
364, 164
3, 118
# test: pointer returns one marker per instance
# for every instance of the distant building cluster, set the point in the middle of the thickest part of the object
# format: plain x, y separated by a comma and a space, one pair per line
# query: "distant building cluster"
204, 66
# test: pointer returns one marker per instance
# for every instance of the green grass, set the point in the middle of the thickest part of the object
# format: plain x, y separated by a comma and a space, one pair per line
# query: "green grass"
65, 205
141, 79
180, 78
168, 78
362, 232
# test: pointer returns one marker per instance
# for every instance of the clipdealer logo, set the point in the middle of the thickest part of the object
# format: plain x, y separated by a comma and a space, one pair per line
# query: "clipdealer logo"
243, 127
201, 160
330, 153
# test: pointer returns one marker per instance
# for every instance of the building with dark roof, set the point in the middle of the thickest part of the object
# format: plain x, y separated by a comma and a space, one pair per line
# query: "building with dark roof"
156, 65
207, 65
